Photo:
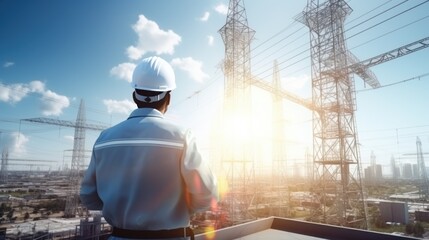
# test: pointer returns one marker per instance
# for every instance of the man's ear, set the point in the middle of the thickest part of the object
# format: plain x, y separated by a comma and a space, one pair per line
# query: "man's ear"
134, 97
168, 99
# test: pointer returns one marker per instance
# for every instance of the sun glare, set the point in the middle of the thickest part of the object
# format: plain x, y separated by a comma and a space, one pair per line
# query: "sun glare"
254, 135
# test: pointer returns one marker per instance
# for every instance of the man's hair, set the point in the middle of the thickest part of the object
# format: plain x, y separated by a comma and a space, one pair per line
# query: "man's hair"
157, 105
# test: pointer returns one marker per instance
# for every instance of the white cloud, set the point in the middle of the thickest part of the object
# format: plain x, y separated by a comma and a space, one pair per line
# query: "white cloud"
210, 40
52, 103
8, 64
222, 9
13, 93
37, 86
205, 17
123, 71
192, 67
15, 143
296, 83
152, 39
115, 106
69, 138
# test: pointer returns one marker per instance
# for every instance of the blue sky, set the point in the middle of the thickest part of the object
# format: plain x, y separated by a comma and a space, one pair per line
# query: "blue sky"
54, 53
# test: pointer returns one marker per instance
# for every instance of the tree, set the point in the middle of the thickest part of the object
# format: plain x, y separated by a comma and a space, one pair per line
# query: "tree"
26, 216
3, 207
409, 228
418, 229
10, 214
36, 209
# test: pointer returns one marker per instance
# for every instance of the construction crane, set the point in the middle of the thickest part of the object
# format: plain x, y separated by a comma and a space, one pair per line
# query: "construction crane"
336, 157
78, 156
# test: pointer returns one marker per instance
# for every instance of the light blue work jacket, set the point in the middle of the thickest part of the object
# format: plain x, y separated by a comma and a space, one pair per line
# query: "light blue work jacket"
146, 173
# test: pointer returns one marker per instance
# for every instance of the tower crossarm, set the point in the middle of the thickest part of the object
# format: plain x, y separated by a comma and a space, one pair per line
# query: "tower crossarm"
29, 160
362, 71
393, 54
361, 68
29, 164
284, 94
65, 123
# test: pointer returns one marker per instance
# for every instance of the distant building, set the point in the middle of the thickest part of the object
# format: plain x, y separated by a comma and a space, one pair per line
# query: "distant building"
378, 172
373, 173
368, 174
422, 216
416, 172
407, 171
4, 198
396, 212
395, 169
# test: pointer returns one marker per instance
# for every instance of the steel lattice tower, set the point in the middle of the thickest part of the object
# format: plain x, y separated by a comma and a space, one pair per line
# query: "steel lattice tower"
337, 173
4, 165
424, 183
78, 155
280, 186
237, 158
237, 36
78, 158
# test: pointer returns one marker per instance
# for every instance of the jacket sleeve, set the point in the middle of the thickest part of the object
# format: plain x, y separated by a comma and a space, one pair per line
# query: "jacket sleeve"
200, 182
88, 188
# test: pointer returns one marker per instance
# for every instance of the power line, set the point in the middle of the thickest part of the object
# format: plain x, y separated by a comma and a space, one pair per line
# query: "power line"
275, 35
389, 32
302, 52
279, 41
377, 15
196, 93
395, 129
274, 52
307, 41
368, 12
395, 83
390, 18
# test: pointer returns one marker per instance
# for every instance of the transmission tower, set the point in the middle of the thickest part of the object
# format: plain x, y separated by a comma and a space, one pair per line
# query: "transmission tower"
4, 165
424, 184
335, 151
336, 161
78, 155
279, 166
237, 158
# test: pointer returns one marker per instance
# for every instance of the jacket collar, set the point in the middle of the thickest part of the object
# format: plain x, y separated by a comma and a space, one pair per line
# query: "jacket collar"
146, 112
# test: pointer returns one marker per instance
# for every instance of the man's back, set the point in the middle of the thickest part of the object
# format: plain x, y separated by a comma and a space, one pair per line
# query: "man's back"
147, 174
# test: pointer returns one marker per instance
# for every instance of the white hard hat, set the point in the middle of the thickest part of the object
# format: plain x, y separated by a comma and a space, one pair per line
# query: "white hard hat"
154, 74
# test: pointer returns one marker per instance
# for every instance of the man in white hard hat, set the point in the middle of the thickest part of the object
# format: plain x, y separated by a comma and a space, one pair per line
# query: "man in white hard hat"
146, 174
